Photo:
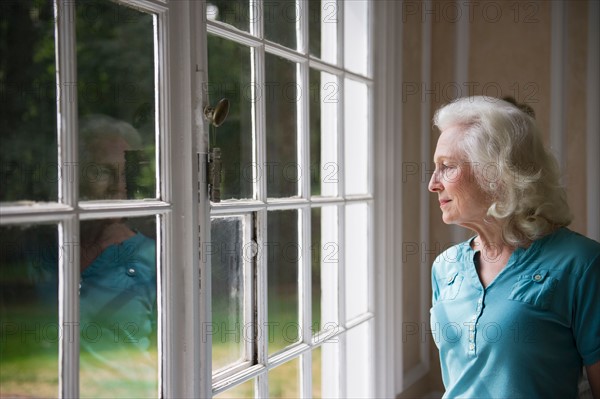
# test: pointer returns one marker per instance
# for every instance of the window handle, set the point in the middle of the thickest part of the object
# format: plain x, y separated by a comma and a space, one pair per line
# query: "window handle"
214, 175
216, 116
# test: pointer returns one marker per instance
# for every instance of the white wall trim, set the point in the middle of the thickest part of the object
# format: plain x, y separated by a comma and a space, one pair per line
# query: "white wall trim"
387, 229
424, 211
413, 374
593, 122
557, 81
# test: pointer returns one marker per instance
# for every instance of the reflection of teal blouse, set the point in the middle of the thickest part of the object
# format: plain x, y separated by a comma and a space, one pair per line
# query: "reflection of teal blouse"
528, 333
118, 294
118, 322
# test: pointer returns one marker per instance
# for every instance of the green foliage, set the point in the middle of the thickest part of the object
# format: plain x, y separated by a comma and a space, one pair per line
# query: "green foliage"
28, 160
115, 72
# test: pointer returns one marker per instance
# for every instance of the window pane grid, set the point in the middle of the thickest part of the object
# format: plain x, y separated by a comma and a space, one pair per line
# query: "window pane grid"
66, 211
264, 205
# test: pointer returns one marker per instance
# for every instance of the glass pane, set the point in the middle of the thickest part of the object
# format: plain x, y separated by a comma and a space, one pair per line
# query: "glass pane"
324, 91
283, 252
227, 265
233, 12
281, 18
229, 76
356, 36
356, 143
28, 154
29, 328
242, 391
358, 361
316, 257
356, 261
118, 349
323, 20
284, 380
325, 254
116, 93
282, 96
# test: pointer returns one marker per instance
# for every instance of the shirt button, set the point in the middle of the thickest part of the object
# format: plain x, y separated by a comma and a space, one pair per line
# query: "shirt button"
480, 301
537, 277
474, 317
471, 336
131, 271
472, 346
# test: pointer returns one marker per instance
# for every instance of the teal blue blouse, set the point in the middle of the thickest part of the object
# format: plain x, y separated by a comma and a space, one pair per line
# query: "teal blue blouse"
118, 322
118, 294
528, 333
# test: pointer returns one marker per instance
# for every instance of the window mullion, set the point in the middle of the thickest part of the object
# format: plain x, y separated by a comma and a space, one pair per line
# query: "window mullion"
249, 256
342, 300
305, 300
340, 33
302, 26
259, 124
68, 185
303, 128
260, 192
303, 140
261, 330
68, 311
306, 374
341, 125
256, 23
66, 77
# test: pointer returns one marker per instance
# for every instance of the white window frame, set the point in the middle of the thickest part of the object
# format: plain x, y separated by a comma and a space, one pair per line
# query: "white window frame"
184, 298
261, 205
67, 212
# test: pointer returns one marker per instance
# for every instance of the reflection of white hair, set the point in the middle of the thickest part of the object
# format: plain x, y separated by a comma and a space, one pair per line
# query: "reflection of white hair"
511, 164
94, 127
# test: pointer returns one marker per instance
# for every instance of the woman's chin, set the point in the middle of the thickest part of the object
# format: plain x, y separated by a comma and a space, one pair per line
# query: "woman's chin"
447, 219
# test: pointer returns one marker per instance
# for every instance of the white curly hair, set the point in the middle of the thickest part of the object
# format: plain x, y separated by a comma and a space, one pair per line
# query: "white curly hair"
502, 141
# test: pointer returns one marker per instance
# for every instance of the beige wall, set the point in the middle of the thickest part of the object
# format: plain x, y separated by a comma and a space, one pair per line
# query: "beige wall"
495, 48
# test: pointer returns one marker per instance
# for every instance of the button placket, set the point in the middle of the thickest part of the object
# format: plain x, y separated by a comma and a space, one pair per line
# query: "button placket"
472, 327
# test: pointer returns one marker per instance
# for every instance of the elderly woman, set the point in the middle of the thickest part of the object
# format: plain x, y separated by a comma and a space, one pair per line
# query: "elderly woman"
516, 308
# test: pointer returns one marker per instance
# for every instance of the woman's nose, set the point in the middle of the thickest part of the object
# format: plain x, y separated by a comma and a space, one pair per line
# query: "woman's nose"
434, 183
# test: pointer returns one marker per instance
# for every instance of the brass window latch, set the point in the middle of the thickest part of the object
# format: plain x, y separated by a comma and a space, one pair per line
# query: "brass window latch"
216, 116
214, 174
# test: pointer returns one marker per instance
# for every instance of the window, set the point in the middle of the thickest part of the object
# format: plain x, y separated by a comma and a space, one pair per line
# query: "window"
84, 199
290, 248
119, 277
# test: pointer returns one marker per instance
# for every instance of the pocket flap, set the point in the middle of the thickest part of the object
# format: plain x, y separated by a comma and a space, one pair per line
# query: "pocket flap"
451, 277
539, 275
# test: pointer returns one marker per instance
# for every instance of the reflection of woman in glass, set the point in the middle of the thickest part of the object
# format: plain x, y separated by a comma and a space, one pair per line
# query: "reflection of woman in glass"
118, 273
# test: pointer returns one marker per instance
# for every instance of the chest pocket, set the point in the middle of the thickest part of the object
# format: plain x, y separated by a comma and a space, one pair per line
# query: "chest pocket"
450, 286
536, 289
